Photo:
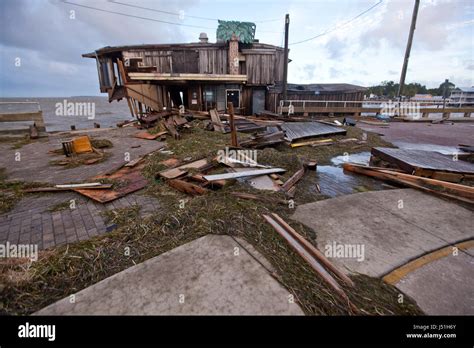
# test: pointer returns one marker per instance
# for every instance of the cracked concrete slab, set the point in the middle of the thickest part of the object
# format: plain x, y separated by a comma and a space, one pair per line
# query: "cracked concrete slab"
208, 276
394, 226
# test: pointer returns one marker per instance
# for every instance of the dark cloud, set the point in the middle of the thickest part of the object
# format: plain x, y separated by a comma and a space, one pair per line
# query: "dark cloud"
50, 40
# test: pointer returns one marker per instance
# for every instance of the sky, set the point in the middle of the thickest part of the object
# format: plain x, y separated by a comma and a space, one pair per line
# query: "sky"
41, 41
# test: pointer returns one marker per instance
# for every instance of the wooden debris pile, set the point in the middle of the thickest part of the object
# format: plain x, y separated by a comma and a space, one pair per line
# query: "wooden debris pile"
459, 192
315, 259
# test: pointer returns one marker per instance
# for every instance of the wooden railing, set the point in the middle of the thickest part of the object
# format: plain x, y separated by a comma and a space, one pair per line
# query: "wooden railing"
408, 109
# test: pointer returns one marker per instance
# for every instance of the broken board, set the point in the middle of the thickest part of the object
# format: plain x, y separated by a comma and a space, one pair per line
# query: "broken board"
129, 179
301, 130
411, 160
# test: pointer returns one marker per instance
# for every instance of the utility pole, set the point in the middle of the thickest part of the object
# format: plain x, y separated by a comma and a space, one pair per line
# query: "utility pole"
407, 52
285, 57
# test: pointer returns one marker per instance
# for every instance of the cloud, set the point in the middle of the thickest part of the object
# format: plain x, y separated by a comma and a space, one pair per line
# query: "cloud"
434, 17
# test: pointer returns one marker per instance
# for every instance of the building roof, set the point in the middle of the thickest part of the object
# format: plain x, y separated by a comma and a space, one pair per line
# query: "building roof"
174, 46
320, 88
465, 89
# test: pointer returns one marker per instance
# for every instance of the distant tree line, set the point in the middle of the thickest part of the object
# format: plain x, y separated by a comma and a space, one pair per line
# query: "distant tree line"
390, 89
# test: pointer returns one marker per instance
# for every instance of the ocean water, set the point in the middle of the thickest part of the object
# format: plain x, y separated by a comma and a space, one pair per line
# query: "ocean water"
57, 118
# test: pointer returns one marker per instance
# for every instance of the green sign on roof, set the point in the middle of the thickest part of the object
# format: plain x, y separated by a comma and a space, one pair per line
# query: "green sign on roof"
245, 31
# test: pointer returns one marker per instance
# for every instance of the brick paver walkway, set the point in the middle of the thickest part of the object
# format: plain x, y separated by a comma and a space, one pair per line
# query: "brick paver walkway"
31, 221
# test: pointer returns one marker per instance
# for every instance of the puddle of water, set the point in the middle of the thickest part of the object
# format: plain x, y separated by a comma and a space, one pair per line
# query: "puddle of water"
445, 150
359, 158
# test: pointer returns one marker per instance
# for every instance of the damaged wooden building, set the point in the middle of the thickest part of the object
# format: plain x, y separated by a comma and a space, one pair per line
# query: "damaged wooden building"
200, 76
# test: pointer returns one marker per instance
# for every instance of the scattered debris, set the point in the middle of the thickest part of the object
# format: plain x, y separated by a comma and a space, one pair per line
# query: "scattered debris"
291, 182
424, 163
186, 187
446, 189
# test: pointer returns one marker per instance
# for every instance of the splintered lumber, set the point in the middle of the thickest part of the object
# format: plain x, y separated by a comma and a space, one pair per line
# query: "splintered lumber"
313, 251
293, 180
54, 189
181, 170
88, 185
264, 139
172, 129
236, 175
216, 121
310, 259
446, 189
312, 142
147, 136
252, 197
186, 187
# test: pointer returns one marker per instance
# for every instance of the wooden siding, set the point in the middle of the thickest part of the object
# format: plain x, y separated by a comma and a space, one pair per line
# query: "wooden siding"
213, 61
160, 59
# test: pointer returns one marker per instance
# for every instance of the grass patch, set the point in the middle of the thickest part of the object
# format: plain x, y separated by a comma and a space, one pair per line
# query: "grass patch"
60, 206
11, 192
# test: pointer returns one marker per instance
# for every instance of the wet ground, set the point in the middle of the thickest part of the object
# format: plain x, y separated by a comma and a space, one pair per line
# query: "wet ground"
333, 181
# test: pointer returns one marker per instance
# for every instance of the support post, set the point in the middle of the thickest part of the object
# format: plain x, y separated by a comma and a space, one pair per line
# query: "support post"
407, 52
285, 58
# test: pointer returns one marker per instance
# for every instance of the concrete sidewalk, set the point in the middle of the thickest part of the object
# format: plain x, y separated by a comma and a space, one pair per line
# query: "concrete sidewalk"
213, 275
395, 227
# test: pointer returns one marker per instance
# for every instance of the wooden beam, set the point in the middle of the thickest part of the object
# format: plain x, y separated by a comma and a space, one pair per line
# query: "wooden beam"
186, 187
312, 249
293, 180
233, 131
236, 175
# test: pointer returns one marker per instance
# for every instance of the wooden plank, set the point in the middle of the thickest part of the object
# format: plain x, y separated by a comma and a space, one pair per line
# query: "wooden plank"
147, 136
54, 189
293, 180
216, 121
243, 174
313, 251
420, 184
310, 260
312, 142
186, 187
250, 196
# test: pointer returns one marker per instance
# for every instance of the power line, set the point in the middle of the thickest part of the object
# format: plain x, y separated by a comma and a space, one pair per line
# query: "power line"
181, 14
139, 17
339, 26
